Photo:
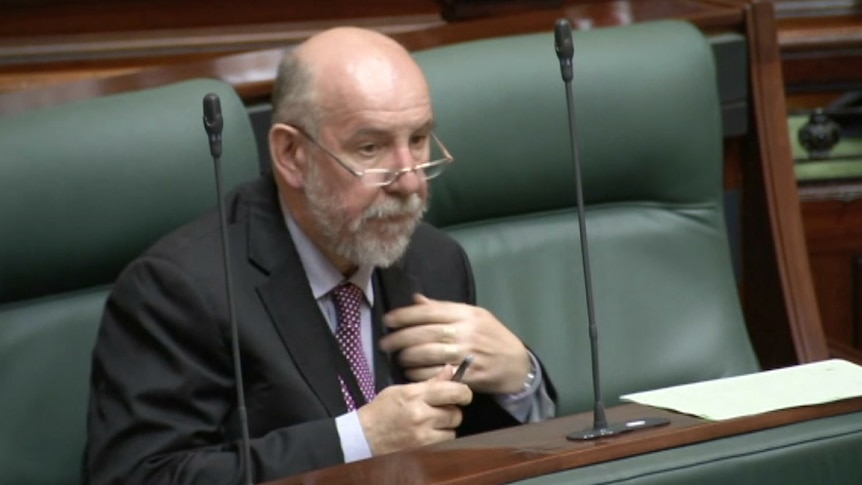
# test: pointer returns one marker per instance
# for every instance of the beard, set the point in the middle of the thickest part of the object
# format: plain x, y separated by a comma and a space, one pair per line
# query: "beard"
379, 237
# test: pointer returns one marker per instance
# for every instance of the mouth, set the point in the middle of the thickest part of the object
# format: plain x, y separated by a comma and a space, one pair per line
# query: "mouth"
394, 220
395, 215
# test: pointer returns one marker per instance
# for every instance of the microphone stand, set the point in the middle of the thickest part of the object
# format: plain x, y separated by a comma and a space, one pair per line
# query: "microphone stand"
565, 51
213, 124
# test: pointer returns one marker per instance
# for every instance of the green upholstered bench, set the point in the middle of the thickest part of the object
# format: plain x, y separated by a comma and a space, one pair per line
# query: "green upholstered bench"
84, 188
667, 308
649, 124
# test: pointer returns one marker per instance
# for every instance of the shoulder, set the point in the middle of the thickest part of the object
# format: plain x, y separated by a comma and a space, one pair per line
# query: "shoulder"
439, 265
195, 247
430, 242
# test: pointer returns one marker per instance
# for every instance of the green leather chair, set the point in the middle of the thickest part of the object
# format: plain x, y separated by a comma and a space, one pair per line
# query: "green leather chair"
667, 306
648, 120
84, 188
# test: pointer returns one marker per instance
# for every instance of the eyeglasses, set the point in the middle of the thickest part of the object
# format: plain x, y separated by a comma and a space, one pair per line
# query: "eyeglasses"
439, 157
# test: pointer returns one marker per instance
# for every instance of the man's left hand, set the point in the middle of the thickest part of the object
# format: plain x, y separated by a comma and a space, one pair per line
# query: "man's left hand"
431, 333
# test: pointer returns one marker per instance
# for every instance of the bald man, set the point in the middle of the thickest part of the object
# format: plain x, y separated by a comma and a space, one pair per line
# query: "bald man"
352, 313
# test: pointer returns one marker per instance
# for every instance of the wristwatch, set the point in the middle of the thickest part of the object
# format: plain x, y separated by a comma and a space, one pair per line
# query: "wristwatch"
531, 374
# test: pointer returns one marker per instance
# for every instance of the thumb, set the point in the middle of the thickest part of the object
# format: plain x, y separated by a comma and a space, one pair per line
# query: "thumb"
421, 299
445, 373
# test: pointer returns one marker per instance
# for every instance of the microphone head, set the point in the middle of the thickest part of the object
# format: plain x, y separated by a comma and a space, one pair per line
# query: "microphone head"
563, 39
213, 122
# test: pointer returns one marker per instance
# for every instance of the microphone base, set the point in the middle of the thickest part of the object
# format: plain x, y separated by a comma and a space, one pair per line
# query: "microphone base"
613, 429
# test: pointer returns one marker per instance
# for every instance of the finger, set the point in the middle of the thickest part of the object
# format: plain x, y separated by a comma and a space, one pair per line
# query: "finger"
418, 335
438, 436
445, 373
425, 313
419, 374
447, 393
433, 354
447, 417
421, 299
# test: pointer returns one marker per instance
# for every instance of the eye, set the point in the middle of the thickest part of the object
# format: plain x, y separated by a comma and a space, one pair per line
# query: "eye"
369, 150
418, 140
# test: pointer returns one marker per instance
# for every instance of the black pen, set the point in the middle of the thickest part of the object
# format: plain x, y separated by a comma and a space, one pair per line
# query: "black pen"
462, 368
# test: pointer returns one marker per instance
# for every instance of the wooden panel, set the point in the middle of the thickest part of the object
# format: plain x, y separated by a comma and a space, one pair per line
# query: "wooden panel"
63, 17
456, 10
833, 228
821, 43
821, 55
856, 299
252, 73
778, 292
146, 35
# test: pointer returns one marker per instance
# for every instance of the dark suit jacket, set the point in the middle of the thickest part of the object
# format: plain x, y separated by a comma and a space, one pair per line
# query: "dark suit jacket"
162, 406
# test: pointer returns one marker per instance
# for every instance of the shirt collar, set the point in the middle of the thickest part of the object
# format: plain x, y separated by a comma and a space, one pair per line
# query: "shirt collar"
322, 275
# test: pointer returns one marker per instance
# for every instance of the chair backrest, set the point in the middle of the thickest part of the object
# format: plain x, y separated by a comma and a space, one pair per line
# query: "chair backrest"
650, 144
84, 188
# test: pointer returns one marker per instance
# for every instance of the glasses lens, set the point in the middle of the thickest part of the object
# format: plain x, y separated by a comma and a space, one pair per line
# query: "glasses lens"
439, 159
380, 178
434, 170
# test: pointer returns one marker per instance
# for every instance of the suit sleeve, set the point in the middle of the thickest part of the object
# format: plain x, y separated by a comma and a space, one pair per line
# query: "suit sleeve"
162, 403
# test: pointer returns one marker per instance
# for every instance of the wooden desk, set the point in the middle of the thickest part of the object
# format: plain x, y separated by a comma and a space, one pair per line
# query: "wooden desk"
538, 449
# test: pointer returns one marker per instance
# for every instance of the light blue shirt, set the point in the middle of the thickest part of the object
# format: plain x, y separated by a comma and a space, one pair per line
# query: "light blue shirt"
533, 404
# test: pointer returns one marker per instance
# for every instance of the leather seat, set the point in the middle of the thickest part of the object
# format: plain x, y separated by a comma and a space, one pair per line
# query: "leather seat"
84, 188
649, 130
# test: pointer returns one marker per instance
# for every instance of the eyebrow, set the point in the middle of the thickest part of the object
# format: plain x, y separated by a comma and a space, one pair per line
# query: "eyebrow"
427, 126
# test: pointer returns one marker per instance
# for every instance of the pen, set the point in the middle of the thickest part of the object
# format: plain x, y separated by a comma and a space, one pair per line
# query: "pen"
459, 373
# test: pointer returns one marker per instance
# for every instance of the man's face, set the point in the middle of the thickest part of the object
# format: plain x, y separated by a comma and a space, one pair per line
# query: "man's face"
374, 113
359, 227
362, 224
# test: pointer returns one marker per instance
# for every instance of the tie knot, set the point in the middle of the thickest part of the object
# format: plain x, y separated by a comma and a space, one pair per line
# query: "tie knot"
347, 293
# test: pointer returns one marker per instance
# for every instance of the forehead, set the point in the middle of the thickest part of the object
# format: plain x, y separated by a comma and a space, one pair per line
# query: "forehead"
377, 93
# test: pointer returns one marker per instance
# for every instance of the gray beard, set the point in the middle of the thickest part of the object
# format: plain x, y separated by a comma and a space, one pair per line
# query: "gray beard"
358, 241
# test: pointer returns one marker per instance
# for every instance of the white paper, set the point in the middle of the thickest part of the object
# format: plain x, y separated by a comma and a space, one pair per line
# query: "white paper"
733, 397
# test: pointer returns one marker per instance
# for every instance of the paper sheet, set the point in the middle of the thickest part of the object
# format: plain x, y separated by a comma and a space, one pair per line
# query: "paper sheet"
802, 385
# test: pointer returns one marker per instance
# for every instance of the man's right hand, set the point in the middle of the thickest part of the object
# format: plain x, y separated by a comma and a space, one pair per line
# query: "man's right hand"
409, 415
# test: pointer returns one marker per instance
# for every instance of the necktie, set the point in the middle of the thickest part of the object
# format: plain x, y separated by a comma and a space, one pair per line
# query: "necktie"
348, 298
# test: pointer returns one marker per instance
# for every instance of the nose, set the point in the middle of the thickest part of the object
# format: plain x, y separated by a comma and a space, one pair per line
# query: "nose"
409, 181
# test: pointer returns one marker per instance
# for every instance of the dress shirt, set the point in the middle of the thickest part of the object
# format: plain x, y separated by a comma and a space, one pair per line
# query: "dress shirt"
531, 405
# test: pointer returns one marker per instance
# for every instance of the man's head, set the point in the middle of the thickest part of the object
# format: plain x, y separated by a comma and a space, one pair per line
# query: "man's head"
355, 98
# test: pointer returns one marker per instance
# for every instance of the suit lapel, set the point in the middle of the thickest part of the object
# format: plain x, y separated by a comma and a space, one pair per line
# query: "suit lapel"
290, 304
304, 332
395, 289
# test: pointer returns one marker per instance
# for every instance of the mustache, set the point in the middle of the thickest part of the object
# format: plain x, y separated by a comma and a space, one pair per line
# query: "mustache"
394, 207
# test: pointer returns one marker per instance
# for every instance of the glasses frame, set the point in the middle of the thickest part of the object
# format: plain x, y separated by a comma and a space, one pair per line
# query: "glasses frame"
391, 175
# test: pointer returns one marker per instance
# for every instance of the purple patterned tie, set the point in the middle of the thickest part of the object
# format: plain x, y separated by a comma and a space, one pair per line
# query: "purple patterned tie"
348, 298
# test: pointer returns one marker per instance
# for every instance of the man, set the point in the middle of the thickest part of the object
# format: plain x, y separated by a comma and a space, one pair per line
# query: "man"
351, 312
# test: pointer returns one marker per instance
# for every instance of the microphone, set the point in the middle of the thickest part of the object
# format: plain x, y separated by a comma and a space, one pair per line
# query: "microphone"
213, 124
564, 48
565, 52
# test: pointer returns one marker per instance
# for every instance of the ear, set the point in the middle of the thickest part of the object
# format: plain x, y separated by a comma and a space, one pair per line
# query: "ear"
288, 155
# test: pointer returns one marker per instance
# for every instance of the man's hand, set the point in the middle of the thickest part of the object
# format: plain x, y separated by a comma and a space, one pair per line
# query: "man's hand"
431, 334
409, 415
